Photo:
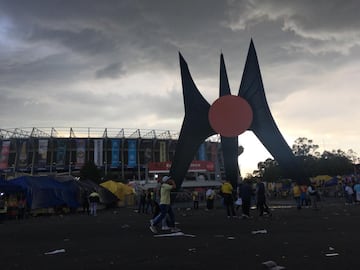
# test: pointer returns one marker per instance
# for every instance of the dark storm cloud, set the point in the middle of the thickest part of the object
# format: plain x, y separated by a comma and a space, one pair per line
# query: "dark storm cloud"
114, 63
65, 45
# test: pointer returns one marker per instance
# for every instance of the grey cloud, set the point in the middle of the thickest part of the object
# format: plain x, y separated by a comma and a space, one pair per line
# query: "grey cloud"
114, 70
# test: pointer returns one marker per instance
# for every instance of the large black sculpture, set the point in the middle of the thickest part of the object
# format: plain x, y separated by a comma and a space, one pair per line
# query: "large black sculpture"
229, 116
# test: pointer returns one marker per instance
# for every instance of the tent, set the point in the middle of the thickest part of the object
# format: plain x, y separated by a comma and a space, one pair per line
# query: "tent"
106, 196
121, 191
331, 182
321, 178
47, 192
7, 188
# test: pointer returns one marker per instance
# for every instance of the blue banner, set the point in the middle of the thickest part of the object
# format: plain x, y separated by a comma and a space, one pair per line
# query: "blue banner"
132, 153
115, 153
202, 152
60, 153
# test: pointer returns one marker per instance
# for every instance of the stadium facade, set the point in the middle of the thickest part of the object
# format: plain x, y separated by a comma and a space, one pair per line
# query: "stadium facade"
131, 154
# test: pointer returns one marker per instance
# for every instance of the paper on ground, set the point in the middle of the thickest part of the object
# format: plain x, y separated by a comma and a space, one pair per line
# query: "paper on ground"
259, 231
55, 251
174, 234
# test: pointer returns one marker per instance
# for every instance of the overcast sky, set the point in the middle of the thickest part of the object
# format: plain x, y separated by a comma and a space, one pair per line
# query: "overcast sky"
114, 64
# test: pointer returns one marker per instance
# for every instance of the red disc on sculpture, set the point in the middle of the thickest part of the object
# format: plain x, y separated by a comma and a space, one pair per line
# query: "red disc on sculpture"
230, 115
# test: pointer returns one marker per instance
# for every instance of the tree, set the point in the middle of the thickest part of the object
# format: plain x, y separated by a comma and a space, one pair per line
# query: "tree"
335, 162
304, 147
268, 170
91, 172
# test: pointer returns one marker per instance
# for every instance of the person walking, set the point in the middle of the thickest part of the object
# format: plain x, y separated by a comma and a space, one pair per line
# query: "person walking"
246, 193
349, 193
261, 198
148, 202
297, 195
195, 197
3, 207
22, 206
227, 194
85, 202
167, 185
313, 194
210, 197
357, 191
142, 202
94, 199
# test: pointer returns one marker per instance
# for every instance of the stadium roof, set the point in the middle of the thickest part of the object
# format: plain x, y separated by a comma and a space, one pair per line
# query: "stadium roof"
83, 132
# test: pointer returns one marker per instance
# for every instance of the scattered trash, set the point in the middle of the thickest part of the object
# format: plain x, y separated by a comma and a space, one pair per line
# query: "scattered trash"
331, 248
192, 249
174, 234
259, 231
331, 254
55, 252
231, 238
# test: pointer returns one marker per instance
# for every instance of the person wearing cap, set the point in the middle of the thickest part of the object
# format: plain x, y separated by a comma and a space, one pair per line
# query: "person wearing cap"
167, 184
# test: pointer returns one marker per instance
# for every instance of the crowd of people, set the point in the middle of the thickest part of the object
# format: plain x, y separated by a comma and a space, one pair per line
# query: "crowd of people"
158, 201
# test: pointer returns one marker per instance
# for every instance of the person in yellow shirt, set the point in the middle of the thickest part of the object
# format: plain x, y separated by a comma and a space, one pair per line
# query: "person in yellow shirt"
297, 195
167, 184
227, 194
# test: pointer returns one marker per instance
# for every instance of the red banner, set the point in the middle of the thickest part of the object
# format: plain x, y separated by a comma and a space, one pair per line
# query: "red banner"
195, 166
4, 157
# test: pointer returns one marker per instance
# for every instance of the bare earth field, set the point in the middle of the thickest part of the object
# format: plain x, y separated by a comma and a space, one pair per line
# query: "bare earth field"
120, 239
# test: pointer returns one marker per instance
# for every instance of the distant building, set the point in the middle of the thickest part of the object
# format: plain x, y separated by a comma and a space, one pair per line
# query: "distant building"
130, 154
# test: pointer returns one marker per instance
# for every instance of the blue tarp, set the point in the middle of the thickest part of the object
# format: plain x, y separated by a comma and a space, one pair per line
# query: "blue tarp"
7, 188
46, 192
331, 182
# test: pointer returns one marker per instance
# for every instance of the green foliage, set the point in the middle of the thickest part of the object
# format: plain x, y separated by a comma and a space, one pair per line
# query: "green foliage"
304, 147
91, 172
336, 162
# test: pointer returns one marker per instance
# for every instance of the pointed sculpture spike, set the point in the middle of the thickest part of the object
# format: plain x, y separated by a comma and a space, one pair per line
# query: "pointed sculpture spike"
263, 124
195, 128
229, 144
224, 82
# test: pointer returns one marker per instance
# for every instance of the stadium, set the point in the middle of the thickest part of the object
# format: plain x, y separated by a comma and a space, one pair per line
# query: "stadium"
129, 154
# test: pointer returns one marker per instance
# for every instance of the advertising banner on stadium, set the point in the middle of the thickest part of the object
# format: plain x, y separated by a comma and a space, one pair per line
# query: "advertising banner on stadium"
162, 151
132, 153
202, 152
60, 154
4, 158
22, 153
42, 153
80, 153
98, 152
147, 145
115, 153
195, 166
213, 150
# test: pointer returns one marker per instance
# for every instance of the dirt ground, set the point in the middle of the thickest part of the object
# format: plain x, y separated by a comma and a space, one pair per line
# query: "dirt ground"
120, 239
